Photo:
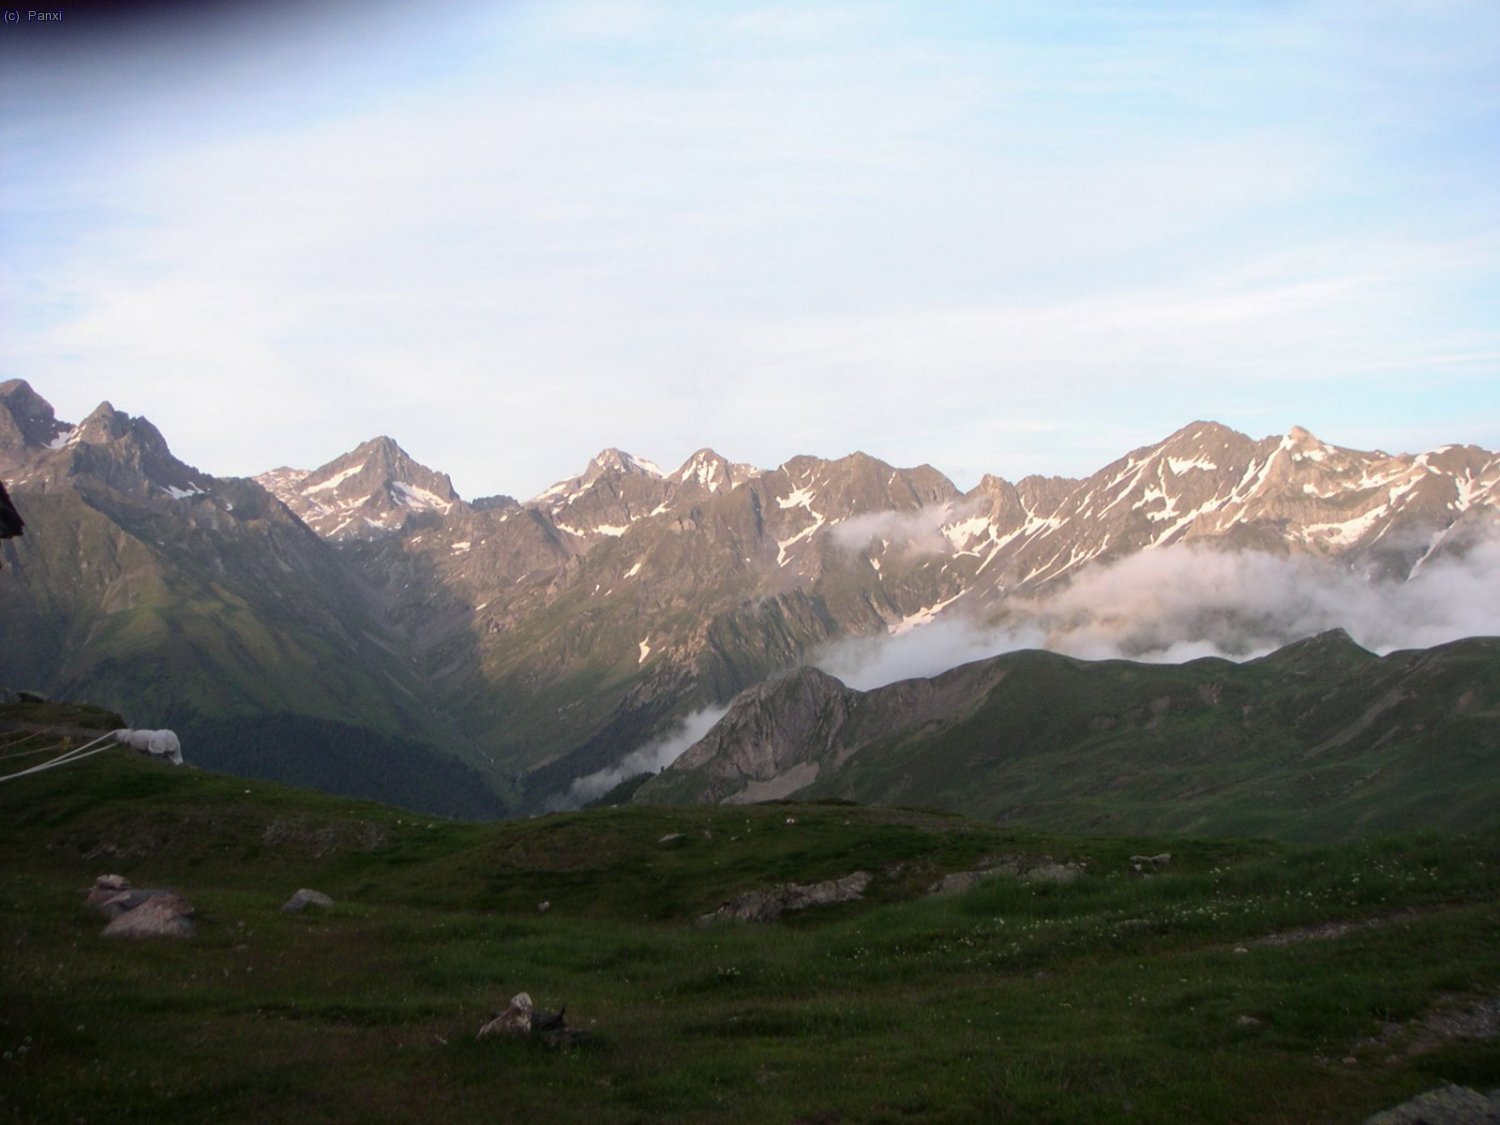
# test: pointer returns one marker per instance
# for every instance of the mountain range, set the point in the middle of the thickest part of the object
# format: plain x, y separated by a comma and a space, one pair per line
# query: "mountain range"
510, 647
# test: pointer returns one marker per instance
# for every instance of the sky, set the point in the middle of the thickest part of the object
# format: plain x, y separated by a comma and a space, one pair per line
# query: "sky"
1000, 237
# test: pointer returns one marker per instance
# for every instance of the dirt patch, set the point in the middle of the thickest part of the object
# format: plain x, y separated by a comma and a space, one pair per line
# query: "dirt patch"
1453, 1017
1328, 931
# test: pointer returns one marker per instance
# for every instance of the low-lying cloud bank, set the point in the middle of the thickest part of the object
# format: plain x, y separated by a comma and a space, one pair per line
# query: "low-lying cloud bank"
1183, 602
1164, 606
651, 758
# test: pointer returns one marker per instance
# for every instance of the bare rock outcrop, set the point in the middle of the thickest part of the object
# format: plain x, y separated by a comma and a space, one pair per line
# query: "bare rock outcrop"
163, 915
139, 912
514, 1019
304, 898
1447, 1105
772, 903
1031, 869
521, 1019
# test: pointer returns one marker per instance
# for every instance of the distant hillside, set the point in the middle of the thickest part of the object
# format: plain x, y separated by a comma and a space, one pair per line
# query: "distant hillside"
1320, 740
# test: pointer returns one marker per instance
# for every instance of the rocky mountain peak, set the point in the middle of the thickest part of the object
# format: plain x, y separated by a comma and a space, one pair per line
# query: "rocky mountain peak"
27, 420
706, 469
110, 447
497, 503
618, 461
764, 736
373, 490
106, 424
130, 453
607, 465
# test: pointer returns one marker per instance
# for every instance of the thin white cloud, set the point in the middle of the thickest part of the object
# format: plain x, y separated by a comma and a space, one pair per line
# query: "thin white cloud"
917, 532
766, 224
651, 758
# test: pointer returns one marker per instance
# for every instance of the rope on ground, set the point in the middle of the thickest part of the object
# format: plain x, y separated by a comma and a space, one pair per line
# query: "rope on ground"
85, 751
13, 743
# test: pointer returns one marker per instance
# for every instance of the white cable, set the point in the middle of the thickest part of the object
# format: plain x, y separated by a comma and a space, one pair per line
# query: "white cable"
9, 746
84, 751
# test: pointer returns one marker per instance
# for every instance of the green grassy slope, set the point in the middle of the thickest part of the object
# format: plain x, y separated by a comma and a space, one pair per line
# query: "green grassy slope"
1319, 741
1120, 996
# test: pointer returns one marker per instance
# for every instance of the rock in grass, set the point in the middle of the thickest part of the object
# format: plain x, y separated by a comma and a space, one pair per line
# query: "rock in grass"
522, 1019
1053, 873
770, 904
113, 897
1449, 1105
305, 898
1151, 860
514, 1020
1038, 870
122, 902
106, 888
163, 915
956, 883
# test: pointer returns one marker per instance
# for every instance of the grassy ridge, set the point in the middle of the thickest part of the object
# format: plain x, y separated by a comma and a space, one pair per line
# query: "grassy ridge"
1120, 996
1320, 741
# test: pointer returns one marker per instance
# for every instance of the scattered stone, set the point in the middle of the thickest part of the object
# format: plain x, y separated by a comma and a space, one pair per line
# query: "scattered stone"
956, 882
122, 902
1053, 873
163, 915
1241, 949
303, 899
1477, 1020
1448, 1105
1032, 869
791, 820
105, 887
1140, 861
514, 1020
543, 906
521, 1018
770, 904
1324, 931
673, 839
113, 897
1454, 1017
1248, 1021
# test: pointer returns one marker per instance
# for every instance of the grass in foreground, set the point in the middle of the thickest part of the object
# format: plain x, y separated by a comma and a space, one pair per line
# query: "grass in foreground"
1120, 996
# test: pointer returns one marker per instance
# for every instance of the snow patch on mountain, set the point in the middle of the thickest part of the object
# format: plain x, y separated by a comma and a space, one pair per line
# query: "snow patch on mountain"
1180, 466
924, 616
337, 479
784, 545
69, 435
421, 499
798, 498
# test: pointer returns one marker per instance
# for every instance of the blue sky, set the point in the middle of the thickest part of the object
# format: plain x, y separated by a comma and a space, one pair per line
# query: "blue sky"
1003, 237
